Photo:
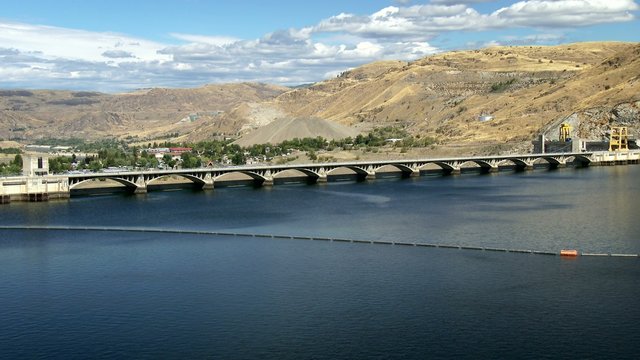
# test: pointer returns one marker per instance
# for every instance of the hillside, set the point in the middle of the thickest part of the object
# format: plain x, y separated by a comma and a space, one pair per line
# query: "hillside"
288, 128
26, 114
526, 90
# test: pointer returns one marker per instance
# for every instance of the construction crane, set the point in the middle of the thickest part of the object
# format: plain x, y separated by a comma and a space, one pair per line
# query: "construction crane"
619, 138
565, 132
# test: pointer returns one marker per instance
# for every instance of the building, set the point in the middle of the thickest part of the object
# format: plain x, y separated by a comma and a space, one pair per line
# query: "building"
180, 150
38, 148
35, 165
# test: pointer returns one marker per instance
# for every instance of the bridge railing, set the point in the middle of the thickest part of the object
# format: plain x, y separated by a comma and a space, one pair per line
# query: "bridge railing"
330, 165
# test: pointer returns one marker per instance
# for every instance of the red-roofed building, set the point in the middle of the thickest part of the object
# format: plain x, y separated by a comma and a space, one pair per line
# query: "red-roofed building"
179, 150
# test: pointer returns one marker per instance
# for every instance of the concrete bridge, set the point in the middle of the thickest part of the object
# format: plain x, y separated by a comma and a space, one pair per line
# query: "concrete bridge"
42, 188
137, 181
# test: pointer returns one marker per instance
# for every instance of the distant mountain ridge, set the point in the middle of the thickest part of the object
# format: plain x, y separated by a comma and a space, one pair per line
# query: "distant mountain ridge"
525, 89
33, 114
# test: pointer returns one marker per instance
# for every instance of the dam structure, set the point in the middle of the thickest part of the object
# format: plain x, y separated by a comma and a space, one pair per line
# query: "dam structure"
45, 187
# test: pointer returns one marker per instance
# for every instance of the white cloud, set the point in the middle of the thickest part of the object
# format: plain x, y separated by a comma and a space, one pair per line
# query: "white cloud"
418, 20
363, 50
117, 54
202, 39
45, 56
565, 13
56, 42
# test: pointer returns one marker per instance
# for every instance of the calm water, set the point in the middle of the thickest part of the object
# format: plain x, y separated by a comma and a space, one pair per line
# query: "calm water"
83, 294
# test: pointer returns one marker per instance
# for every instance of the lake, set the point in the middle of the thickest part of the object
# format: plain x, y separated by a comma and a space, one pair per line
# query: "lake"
114, 294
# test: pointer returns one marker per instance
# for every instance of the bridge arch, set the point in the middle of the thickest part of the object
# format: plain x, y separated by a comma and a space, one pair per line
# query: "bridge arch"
541, 161
520, 164
430, 166
258, 179
553, 162
360, 172
196, 180
581, 160
484, 165
506, 162
130, 185
309, 173
406, 170
445, 166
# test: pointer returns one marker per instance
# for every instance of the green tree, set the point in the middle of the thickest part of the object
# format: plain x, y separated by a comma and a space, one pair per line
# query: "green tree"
59, 164
95, 165
238, 158
189, 160
151, 162
17, 160
168, 160
13, 168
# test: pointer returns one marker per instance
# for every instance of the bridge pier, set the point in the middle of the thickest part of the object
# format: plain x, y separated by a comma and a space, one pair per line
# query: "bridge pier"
450, 167
141, 185
414, 173
322, 179
208, 182
487, 170
370, 176
268, 182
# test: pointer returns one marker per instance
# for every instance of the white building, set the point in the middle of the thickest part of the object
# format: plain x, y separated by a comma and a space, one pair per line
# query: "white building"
35, 165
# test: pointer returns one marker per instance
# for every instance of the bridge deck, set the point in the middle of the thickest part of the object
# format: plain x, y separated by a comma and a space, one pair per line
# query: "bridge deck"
138, 180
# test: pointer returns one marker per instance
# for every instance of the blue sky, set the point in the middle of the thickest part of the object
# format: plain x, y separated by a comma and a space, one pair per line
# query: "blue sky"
124, 45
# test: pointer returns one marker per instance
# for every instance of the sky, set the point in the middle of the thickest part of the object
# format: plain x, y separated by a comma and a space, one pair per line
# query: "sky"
118, 46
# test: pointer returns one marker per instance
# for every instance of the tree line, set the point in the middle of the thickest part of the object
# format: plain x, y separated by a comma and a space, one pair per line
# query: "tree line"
119, 153
14, 167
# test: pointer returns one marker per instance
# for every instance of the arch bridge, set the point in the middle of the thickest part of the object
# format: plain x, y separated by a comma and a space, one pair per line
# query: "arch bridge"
205, 178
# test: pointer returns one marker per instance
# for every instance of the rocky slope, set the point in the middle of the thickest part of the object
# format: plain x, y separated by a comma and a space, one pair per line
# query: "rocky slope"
523, 89
288, 128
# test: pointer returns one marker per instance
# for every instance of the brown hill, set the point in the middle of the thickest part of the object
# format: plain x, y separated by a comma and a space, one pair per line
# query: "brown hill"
148, 113
527, 90
285, 129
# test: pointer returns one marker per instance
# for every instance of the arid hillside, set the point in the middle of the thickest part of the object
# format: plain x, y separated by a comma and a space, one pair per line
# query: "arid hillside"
521, 89
288, 128
464, 98
33, 114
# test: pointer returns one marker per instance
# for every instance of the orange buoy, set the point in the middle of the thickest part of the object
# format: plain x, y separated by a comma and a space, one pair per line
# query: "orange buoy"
566, 252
